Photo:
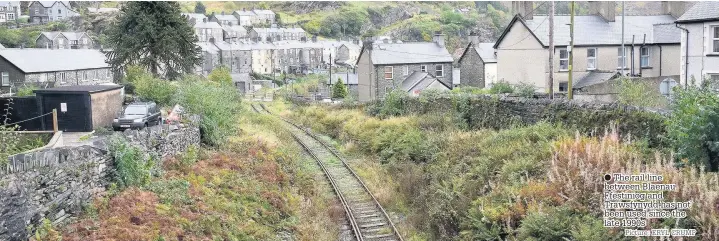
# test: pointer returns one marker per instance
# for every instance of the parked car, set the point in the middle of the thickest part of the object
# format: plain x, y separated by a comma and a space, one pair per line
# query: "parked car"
138, 116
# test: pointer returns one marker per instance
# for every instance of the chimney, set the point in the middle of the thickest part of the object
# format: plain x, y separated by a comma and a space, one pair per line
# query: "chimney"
674, 8
474, 39
439, 39
524, 8
605, 9
223, 13
314, 38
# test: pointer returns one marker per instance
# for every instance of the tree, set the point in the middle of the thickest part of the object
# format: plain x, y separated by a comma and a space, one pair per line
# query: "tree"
339, 90
200, 8
220, 75
153, 35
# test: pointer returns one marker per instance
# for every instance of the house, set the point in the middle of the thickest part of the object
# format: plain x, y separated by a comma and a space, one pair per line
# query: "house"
207, 31
64, 40
262, 57
700, 42
477, 64
384, 66
244, 17
48, 11
420, 81
347, 54
238, 57
194, 18
298, 57
210, 58
651, 46
277, 34
224, 19
233, 33
9, 11
350, 80
47, 68
264, 16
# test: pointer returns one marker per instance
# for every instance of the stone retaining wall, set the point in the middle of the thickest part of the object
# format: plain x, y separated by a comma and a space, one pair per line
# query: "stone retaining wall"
56, 183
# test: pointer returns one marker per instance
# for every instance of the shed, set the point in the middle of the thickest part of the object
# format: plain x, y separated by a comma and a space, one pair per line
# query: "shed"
80, 107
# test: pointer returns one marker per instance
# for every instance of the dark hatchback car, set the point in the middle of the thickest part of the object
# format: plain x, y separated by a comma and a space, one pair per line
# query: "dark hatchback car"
138, 116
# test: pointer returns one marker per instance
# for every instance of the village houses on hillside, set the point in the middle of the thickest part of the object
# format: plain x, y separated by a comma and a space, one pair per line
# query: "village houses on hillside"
48, 11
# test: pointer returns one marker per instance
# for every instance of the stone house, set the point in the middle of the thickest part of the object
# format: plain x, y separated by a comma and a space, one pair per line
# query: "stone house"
194, 18
298, 57
264, 16
699, 42
210, 58
224, 19
651, 47
244, 17
238, 57
9, 11
206, 31
263, 57
64, 40
51, 68
384, 66
48, 11
276, 34
233, 33
477, 64
347, 54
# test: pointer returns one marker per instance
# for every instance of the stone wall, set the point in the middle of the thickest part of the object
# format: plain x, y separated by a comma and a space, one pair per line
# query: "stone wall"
505, 112
57, 183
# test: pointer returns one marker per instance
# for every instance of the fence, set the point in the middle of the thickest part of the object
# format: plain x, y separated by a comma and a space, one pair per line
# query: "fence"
19, 109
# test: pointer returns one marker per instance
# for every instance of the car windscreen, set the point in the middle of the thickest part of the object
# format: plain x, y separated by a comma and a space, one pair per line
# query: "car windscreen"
136, 110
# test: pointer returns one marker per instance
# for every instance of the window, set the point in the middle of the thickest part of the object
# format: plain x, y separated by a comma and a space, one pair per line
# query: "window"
62, 77
59, 11
644, 61
10, 16
84, 41
74, 42
591, 59
423, 68
563, 59
36, 11
621, 57
715, 39
563, 86
439, 70
5, 79
388, 72
714, 77
406, 70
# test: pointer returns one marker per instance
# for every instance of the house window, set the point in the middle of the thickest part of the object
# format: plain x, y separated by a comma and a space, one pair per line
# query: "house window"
563, 86
62, 77
439, 70
406, 70
10, 16
621, 57
591, 59
5, 79
84, 75
423, 68
37, 11
84, 41
715, 39
388, 74
59, 11
644, 61
563, 59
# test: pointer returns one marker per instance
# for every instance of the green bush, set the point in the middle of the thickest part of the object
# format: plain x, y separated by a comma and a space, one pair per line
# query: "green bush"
149, 88
218, 105
26, 91
174, 191
525, 90
554, 223
639, 92
220, 75
132, 169
501, 87
394, 104
693, 126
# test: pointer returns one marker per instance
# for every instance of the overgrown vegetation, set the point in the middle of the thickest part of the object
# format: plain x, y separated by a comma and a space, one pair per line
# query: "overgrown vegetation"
132, 165
639, 92
12, 142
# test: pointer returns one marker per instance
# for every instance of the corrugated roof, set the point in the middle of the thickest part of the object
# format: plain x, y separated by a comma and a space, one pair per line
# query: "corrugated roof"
703, 10
409, 53
593, 78
594, 30
50, 60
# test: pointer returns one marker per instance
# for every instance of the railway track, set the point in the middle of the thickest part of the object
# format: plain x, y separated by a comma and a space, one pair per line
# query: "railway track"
367, 219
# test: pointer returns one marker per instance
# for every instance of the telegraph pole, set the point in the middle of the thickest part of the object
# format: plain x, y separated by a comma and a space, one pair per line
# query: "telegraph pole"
551, 52
624, 50
571, 52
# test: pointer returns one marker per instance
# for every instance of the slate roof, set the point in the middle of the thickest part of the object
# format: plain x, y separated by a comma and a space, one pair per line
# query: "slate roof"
78, 89
69, 35
701, 11
409, 53
419, 78
245, 13
593, 30
208, 47
263, 11
226, 17
225, 46
351, 80
207, 25
593, 78
48, 4
51, 60
10, 3
667, 33
244, 77
234, 28
486, 51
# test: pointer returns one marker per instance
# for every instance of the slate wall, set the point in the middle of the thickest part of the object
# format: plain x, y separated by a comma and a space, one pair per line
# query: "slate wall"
57, 183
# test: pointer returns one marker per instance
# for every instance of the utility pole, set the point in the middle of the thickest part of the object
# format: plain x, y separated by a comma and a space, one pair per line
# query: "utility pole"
551, 52
571, 52
330, 68
624, 50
